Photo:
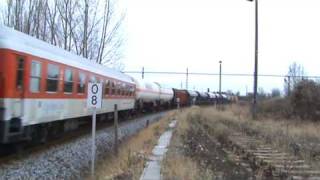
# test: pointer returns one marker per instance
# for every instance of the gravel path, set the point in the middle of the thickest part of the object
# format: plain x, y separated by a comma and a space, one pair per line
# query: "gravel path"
70, 160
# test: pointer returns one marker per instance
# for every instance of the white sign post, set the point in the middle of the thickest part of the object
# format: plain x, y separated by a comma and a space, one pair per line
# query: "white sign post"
94, 101
178, 103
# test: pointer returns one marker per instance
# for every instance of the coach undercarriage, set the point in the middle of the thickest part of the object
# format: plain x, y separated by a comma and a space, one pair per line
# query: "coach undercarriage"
13, 132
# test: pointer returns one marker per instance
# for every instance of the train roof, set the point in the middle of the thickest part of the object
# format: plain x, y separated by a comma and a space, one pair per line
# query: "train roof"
164, 89
143, 84
212, 95
181, 90
203, 94
192, 93
18, 41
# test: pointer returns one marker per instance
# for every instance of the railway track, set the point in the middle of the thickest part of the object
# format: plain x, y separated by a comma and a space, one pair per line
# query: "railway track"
268, 162
16, 151
71, 159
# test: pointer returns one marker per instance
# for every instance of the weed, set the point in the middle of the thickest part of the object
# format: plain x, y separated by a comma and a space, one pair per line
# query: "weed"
133, 153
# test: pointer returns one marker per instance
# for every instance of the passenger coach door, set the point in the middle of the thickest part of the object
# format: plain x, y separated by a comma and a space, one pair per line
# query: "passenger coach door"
18, 103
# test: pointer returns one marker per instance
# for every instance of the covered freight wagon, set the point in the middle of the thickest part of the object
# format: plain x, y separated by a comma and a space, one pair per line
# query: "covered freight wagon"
182, 95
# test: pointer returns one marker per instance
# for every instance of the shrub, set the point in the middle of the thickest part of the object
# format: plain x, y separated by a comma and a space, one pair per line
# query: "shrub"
275, 107
305, 100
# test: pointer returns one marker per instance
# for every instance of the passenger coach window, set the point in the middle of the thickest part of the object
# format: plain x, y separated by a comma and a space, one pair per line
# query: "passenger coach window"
53, 78
107, 88
127, 90
35, 76
93, 79
130, 90
68, 81
20, 69
123, 89
118, 86
81, 83
113, 88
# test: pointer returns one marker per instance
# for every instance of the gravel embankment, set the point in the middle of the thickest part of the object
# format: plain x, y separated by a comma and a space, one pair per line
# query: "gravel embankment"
70, 160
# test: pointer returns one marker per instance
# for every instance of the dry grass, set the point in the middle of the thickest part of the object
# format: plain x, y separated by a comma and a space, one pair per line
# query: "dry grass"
301, 138
133, 152
295, 136
177, 165
280, 133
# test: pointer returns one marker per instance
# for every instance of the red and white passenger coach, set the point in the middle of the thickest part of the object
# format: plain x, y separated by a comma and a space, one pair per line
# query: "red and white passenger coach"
43, 90
41, 84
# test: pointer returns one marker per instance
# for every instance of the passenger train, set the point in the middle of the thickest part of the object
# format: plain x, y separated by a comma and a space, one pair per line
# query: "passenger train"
43, 89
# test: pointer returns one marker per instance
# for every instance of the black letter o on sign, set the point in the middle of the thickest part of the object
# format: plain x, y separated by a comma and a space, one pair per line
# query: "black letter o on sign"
94, 89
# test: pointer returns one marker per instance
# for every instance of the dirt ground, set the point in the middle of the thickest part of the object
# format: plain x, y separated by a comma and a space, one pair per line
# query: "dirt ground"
227, 144
204, 154
222, 144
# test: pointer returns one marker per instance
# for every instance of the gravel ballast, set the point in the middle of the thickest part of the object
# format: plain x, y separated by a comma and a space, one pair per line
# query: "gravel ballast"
71, 160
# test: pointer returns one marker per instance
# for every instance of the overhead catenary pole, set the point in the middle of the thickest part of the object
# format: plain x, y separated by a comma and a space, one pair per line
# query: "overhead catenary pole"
220, 69
289, 86
220, 77
256, 66
187, 78
246, 90
287, 81
142, 73
255, 81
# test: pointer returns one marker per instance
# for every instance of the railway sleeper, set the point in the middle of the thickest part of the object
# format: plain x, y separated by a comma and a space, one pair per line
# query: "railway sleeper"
305, 178
272, 162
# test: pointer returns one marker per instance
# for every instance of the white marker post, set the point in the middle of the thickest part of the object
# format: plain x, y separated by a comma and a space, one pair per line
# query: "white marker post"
94, 101
178, 103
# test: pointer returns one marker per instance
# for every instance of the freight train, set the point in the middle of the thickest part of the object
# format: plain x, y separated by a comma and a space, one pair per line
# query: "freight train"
43, 90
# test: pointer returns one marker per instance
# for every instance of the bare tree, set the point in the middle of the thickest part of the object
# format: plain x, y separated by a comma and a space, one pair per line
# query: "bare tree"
63, 8
28, 16
261, 93
275, 92
51, 20
9, 9
90, 28
295, 75
18, 8
85, 29
45, 21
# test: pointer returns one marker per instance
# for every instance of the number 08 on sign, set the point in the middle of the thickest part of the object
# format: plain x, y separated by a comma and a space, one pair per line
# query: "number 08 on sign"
94, 99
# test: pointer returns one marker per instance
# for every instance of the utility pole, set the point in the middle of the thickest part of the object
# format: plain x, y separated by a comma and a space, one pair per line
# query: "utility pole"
287, 80
142, 73
289, 86
255, 82
187, 76
220, 78
246, 90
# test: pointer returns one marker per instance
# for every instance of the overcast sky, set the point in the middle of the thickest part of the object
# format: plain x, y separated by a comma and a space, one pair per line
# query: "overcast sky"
171, 35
